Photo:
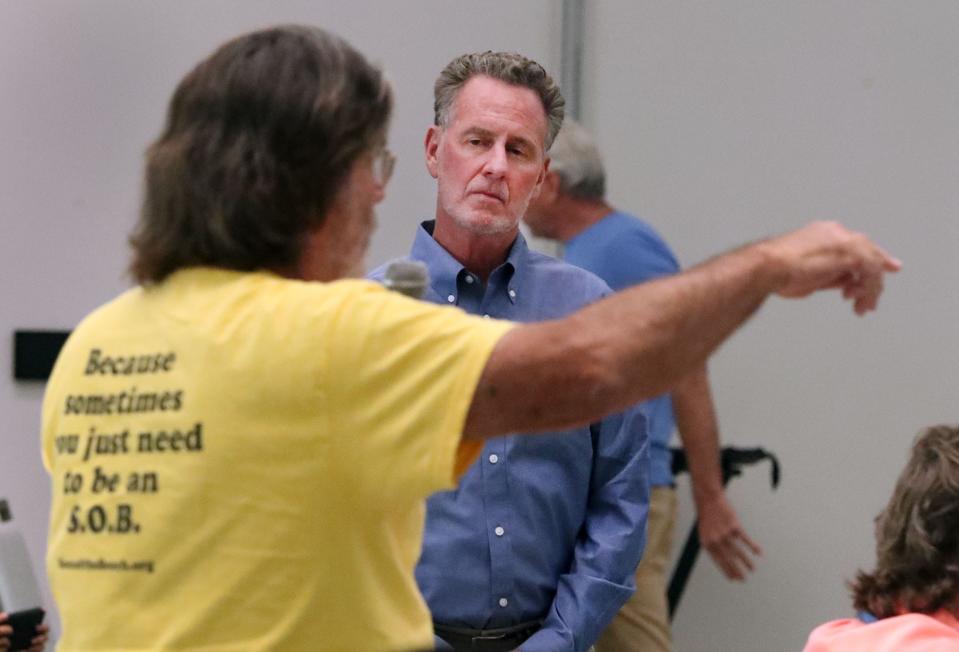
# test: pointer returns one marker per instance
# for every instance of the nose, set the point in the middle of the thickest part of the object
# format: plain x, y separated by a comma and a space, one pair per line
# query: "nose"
496, 162
379, 193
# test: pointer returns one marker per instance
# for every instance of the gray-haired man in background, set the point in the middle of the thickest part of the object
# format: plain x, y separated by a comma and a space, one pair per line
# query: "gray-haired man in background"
624, 250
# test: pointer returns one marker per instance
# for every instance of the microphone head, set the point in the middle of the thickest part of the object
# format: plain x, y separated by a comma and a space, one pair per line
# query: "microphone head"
409, 277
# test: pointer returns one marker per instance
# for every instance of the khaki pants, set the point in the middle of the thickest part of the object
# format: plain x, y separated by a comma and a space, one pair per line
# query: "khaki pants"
642, 625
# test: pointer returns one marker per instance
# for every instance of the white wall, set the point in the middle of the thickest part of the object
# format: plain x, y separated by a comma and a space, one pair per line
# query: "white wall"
83, 90
725, 121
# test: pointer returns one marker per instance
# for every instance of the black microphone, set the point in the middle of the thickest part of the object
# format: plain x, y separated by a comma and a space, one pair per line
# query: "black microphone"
408, 277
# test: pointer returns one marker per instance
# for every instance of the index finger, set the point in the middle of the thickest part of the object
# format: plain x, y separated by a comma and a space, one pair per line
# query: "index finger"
889, 262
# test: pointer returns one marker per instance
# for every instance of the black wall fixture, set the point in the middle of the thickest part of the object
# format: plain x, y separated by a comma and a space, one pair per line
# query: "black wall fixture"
34, 353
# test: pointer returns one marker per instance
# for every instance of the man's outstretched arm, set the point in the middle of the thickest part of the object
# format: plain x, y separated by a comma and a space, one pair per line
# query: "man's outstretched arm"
640, 342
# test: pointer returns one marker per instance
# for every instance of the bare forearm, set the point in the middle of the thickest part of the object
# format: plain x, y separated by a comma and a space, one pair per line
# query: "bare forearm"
699, 433
654, 334
631, 346
720, 532
642, 341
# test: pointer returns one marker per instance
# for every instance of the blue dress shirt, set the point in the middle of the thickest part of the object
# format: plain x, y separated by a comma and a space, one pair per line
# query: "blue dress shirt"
548, 527
623, 251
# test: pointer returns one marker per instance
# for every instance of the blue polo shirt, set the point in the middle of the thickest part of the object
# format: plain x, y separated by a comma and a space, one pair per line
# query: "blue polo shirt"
547, 527
623, 251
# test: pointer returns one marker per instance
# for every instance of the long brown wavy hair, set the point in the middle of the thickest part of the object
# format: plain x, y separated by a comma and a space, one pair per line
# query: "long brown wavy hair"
917, 534
258, 139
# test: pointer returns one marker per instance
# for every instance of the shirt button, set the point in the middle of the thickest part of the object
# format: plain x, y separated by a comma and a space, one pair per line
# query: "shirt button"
512, 294
485, 316
499, 531
494, 458
503, 602
451, 298
469, 278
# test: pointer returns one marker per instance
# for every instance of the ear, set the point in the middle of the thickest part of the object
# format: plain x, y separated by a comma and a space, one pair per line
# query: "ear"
548, 188
431, 144
544, 174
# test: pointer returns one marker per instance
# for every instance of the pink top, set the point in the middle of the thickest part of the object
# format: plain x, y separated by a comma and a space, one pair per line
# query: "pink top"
938, 632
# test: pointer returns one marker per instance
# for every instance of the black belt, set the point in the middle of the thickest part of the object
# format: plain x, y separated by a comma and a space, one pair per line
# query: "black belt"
487, 640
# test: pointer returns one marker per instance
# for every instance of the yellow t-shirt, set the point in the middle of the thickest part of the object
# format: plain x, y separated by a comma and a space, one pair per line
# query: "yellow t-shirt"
240, 462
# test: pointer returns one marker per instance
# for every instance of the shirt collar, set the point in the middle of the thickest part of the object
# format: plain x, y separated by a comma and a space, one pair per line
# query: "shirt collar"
444, 269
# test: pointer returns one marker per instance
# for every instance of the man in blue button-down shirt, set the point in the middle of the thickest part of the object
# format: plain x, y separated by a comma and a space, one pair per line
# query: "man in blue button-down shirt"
538, 544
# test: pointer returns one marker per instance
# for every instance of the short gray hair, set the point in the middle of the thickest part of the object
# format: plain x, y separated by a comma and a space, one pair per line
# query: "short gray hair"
508, 67
575, 158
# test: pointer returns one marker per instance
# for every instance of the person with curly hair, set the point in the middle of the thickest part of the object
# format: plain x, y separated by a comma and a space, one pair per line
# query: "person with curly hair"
910, 602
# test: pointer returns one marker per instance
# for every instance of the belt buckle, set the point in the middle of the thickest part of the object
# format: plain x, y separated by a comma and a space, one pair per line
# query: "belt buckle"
487, 637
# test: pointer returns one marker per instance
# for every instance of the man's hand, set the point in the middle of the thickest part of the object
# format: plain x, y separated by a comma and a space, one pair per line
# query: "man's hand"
36, 644
826, 255
725, 540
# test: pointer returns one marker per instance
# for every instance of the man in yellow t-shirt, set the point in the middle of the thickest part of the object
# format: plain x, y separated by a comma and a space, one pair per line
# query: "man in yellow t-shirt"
240, 447
240, 457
